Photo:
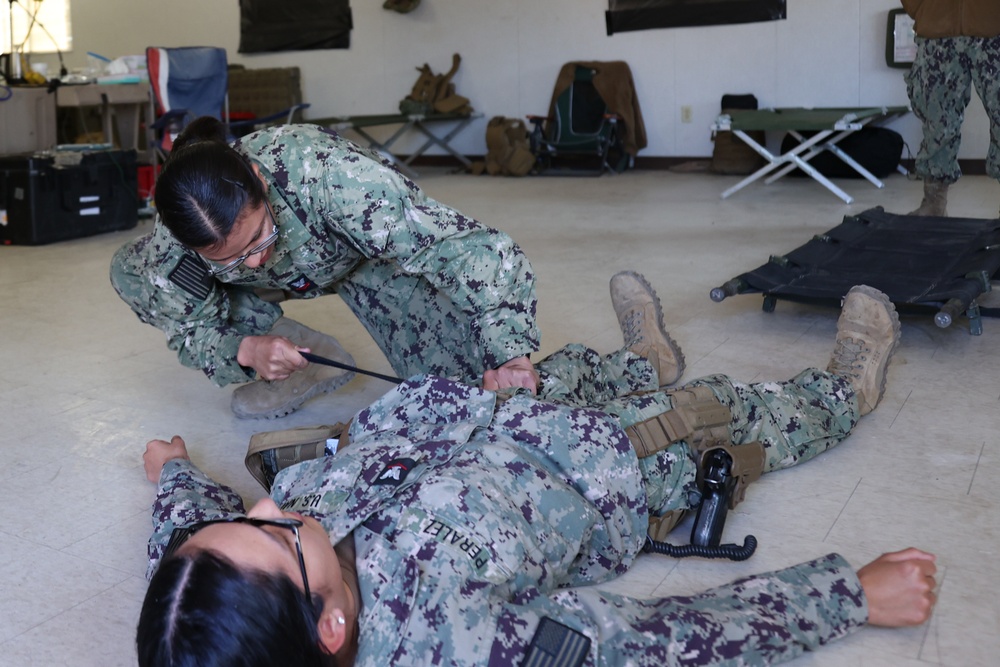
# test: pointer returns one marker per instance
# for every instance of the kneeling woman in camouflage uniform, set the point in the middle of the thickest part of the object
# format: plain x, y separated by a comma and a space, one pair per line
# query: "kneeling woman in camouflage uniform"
457, 528
300, 210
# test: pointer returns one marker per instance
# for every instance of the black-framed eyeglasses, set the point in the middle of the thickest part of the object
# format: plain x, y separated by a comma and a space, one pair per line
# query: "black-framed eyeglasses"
181, 535
260, 247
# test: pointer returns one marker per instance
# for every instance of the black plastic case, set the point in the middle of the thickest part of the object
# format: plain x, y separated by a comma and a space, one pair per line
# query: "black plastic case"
55, 196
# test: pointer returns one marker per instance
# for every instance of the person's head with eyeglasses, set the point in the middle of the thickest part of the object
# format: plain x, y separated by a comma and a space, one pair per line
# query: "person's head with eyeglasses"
262, 589
214, 201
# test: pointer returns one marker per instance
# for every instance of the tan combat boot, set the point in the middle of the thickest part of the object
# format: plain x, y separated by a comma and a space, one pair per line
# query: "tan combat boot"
640, 317
867, 335
264, 399
935, 202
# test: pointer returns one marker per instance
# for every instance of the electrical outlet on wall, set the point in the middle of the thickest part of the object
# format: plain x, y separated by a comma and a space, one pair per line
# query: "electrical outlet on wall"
685, 114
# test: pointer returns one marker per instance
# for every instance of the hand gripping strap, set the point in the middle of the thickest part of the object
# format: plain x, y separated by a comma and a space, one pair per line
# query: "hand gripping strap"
697, 417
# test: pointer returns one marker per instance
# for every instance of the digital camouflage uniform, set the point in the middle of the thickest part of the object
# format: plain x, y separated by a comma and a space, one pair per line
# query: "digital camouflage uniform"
439, 292
958, 46
476, 519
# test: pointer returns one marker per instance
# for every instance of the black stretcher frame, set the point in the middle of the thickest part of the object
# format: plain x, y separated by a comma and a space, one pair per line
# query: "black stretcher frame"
923, 264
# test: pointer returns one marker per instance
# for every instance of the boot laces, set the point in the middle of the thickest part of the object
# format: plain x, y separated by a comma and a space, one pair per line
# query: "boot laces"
849, 357
632, 327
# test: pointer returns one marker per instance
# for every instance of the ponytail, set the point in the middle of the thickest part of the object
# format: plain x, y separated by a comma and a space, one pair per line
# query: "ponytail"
204, 128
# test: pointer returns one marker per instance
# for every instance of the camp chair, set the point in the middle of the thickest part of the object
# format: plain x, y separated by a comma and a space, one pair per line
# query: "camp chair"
188, 82
579, 125
185, 83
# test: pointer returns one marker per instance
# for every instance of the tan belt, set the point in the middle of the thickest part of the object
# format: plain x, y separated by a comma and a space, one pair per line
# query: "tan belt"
702, 421
291, 446
697, 417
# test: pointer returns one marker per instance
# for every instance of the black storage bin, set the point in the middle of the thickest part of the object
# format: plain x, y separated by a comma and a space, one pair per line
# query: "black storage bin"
59, 195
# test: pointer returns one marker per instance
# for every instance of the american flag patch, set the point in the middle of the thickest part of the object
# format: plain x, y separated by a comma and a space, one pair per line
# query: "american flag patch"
192, 276
555, 645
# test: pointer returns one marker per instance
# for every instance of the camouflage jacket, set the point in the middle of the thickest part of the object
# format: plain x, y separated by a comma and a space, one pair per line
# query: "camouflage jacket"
477, 523
337, 206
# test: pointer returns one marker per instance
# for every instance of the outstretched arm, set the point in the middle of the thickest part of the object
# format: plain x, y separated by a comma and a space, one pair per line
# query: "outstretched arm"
158, 452
763, 619
899, 587
185, 495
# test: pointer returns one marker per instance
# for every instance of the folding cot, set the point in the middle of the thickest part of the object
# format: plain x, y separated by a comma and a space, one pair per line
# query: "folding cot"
419, 122
830, 125
942, 265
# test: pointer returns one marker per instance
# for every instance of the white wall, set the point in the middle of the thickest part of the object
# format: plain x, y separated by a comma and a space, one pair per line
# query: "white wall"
826, 53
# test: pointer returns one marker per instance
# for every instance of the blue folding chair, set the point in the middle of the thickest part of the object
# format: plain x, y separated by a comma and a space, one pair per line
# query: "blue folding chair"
189, 82
186, 83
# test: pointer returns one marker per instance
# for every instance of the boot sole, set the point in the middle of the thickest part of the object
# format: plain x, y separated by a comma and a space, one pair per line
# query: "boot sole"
324, 387
671, 343
880, 296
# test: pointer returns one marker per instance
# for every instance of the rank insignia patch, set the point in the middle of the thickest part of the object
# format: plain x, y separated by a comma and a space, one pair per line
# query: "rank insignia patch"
301, 284
395, 472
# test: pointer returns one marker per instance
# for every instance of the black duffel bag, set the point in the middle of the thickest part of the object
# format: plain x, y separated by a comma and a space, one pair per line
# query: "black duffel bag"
877, 149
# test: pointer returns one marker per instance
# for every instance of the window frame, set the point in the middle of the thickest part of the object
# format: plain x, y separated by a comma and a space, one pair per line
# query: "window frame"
52, 32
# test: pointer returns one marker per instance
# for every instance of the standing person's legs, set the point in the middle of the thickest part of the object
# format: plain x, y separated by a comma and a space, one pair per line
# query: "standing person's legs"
939, 85
986, 77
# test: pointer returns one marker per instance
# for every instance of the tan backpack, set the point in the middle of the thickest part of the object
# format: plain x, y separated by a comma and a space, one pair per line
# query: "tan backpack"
508, 150
435, 93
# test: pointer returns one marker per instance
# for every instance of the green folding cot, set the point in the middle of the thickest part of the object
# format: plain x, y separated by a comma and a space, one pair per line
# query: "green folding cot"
824, 128
420, 122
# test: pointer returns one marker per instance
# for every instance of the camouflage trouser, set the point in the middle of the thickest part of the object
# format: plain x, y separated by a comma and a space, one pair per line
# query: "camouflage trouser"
418, 329
795, 420
940, 86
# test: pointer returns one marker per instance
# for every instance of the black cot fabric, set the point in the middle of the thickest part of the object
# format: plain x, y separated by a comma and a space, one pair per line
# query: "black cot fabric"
921, 262
627, 15
301, 25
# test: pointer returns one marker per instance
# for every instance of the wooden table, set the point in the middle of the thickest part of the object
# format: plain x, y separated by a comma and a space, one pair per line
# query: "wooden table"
122, 106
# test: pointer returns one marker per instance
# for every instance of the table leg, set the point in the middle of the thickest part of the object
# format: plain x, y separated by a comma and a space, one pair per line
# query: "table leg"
109, 135
442, 142
127, 121
383, 148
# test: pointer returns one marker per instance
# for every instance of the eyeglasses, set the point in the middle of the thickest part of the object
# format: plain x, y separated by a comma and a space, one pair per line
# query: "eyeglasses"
261, 247
181, 535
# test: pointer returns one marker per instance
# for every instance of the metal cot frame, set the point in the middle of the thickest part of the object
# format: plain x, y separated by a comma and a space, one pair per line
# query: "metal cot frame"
406, 122
830, 125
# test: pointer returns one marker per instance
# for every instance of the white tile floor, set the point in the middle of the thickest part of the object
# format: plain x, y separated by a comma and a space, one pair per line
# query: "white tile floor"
84, 385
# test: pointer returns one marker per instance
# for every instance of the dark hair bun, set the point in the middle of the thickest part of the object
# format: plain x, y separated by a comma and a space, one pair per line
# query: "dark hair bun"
203, 128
